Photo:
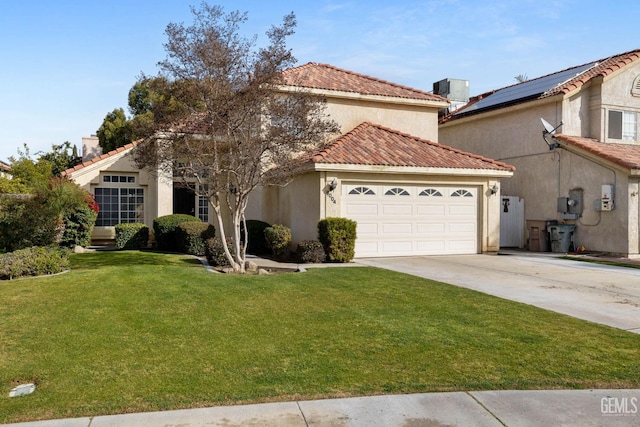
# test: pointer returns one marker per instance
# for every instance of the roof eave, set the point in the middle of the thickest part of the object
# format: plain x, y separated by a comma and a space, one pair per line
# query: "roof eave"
490, 112
596, 158
431, 103
411, 170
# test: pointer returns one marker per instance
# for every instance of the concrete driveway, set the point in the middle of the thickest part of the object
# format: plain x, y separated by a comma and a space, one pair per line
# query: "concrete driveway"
598, 293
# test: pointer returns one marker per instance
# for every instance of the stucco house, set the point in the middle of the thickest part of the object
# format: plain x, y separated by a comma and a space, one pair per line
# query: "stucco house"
5, 169
408, 194
580, 165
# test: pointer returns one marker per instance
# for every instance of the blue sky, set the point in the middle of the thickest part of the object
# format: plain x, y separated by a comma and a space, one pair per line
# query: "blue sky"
65, 64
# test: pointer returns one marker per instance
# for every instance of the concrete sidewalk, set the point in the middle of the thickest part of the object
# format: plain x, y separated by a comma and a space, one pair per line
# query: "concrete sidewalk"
486, 408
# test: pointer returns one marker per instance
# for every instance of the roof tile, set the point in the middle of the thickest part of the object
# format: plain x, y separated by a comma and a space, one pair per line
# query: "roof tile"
625, 155
99, 158
370, 144
314, 75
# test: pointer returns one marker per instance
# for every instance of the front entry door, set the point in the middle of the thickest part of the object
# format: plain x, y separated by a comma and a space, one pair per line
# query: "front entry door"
184, 201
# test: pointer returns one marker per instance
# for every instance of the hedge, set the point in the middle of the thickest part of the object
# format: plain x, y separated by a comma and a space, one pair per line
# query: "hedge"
310, 251
34, 261
191, 237
278, 239
133, 235
164, 228
338, 237
215, 252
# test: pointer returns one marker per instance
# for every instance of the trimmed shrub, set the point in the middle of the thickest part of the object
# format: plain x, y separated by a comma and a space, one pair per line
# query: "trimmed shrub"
164, 228
134, 235
191, 237
255, 231
35, 261
215, 252
278, 239
78, 226
310, 251
338, 237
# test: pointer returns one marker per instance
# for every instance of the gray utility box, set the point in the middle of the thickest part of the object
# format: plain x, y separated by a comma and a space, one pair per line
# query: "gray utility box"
561, 235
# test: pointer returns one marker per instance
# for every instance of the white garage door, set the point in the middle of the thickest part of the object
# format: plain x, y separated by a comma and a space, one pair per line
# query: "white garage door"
398, 220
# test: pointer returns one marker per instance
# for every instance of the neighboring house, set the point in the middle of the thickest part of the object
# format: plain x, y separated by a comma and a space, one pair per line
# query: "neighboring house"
586, 173
408, 194
5, 170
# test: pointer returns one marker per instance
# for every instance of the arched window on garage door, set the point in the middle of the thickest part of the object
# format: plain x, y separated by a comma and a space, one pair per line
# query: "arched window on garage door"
461, 193
362, 191
430, 192
397, 191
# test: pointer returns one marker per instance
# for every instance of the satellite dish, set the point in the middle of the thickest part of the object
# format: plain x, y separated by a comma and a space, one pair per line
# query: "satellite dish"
548, 126
549, 130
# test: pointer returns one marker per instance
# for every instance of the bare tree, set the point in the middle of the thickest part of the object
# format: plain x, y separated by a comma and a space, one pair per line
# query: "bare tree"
235, 129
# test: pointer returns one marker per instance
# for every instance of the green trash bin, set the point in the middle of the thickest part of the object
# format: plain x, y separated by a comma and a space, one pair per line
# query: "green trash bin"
561, 237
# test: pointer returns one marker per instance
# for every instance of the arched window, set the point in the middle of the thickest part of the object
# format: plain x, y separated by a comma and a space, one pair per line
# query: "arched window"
362, 190
397, 191
430, 192
461, 193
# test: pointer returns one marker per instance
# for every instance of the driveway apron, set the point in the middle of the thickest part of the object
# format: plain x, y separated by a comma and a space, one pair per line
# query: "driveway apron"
599, 293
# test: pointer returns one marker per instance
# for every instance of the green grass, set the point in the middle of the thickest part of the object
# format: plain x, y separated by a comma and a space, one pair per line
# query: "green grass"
141, 331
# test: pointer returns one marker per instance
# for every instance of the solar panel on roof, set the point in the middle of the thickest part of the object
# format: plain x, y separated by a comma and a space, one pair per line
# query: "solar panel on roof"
527, 89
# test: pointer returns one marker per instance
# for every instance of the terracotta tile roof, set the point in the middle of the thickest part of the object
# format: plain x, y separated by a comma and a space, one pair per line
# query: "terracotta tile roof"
559, 82
4, 167
99, 158
323, 76
625, 155
370, 144
602, 68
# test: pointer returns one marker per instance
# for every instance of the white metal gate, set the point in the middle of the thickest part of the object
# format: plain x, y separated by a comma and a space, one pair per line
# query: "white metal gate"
512, 222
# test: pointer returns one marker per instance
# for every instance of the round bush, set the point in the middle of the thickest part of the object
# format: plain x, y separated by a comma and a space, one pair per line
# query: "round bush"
164, 229
215, 252
133, 235
191, 237
310, 251
278, 239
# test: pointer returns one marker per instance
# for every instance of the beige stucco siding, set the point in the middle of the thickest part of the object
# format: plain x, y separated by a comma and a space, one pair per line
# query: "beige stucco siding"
158, 194
306, 200
418, 121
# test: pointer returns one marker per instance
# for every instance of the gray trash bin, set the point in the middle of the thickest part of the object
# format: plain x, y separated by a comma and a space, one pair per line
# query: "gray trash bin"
560, 235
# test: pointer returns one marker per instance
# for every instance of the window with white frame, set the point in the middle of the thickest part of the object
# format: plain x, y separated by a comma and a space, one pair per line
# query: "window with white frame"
119, 205
623, 125
203, 204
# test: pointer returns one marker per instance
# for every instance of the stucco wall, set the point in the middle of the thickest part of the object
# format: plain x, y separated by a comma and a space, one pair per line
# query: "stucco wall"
158, 194
306, 200
514, 135
414, 120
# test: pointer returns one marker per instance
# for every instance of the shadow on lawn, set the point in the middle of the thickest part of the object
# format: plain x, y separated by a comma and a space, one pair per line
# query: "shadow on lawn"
114, 258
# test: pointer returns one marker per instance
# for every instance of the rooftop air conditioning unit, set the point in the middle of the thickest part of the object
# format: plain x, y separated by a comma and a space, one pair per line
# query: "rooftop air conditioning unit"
453, 89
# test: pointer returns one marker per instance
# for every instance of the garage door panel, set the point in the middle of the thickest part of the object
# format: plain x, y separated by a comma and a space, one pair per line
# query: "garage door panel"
462, 210
430, 220
397, 247
362, 209
365, 249
431, 228
430, 247
397, 228
461, 246
428, 210
462, 227
390, 209
367, 228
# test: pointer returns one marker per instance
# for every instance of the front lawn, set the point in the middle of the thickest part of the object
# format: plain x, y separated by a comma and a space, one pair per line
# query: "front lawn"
141, 331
